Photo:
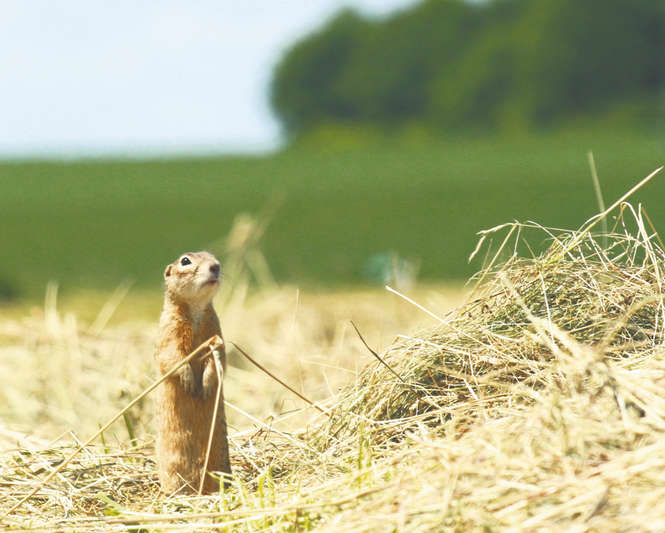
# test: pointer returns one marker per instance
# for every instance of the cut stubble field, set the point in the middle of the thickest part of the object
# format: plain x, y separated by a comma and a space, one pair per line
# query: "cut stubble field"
97, 349
73, 362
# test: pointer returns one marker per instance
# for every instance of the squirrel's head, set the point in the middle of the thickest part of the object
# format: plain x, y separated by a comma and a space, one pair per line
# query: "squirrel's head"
193, 277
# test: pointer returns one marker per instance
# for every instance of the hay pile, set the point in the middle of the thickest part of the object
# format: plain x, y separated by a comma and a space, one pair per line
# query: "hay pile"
607, 299
539, 404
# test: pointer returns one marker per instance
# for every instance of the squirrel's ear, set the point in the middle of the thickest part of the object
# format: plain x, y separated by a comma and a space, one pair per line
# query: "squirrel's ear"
167, 272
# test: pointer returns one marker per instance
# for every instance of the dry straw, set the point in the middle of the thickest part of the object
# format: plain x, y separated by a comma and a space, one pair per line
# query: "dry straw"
209, 346
537, 405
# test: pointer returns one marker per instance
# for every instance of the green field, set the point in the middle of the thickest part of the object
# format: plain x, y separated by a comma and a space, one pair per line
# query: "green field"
95, 223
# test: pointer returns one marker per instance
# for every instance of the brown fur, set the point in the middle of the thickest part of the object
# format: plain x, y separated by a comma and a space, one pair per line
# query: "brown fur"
187, 399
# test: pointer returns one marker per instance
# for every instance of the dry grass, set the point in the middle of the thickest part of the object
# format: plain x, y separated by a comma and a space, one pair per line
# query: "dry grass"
537, 405
55, 367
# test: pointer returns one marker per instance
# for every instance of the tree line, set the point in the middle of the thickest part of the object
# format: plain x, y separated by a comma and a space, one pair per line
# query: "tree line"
452, 65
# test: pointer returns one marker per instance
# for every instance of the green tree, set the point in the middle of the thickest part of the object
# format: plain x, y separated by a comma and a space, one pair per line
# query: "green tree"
303, 85
451, 65
470, 90
389, 75
581, 56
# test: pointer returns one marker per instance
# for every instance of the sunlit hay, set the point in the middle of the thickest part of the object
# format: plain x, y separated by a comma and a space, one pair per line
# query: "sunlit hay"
60, 377
489, 353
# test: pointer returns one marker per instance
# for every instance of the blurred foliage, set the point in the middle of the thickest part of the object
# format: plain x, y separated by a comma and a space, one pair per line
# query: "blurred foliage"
451, 66
8, 291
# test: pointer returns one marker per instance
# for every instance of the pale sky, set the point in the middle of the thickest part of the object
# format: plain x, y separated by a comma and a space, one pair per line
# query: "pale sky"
91, 77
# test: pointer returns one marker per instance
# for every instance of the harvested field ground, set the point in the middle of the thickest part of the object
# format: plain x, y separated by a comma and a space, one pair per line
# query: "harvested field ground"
59, 360
536, 404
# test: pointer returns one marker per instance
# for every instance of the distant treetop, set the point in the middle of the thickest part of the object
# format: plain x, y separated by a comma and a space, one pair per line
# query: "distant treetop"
451, 65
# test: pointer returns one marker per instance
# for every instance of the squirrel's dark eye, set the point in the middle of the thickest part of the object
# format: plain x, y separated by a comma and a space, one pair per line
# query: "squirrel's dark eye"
185, 261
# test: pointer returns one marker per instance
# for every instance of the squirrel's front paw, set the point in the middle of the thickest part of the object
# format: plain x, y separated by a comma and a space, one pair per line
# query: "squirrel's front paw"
209, 381
188, 381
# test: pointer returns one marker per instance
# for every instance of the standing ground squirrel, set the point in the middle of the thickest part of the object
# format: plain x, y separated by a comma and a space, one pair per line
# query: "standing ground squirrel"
186, 400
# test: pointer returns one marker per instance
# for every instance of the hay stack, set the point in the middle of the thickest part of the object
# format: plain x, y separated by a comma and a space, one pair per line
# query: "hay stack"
602, 292
540, 404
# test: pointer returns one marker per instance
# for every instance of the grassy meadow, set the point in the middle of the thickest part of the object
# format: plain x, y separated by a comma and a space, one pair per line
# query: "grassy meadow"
331, 207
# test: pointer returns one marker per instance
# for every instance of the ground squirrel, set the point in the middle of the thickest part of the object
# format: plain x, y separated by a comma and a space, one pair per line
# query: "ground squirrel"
187, 399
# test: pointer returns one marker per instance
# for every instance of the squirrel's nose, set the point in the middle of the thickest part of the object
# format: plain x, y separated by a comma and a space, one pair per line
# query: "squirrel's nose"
214, 268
